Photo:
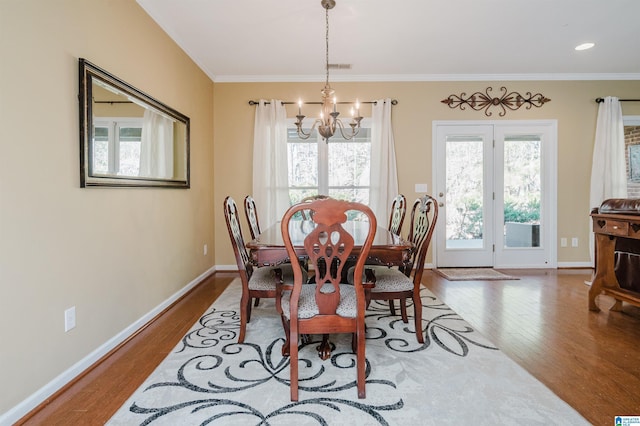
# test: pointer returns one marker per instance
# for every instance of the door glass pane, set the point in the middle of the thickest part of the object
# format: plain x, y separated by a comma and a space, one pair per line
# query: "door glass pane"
464, 192
522, 191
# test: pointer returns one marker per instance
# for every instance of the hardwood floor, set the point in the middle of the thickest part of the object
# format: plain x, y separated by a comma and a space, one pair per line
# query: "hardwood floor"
590, 360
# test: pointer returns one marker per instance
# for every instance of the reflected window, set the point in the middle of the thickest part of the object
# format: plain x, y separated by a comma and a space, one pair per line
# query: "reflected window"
116, 147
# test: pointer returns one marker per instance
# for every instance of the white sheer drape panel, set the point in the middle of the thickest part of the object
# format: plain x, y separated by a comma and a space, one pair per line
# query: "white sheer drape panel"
609, 170
270, 174
156, 146
384, 172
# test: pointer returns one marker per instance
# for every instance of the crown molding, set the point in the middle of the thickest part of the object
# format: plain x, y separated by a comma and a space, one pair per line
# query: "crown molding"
335, 78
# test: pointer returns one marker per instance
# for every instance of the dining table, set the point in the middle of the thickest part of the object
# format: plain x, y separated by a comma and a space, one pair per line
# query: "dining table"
388, 249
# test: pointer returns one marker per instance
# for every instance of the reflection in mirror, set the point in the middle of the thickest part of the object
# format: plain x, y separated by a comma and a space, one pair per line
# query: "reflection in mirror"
128, 138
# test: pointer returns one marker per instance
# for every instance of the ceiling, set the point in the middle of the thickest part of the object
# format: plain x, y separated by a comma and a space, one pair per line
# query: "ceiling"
406, 40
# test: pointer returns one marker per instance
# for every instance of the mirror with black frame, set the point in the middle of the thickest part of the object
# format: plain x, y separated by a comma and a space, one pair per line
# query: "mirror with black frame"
128, 138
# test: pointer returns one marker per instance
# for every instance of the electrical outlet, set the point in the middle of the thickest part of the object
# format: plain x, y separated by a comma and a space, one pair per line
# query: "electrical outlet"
70, 319
563, 242
205, 250
574, 242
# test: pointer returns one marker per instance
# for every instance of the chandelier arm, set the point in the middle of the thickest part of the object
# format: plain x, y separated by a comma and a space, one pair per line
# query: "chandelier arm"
354, 130
301, 133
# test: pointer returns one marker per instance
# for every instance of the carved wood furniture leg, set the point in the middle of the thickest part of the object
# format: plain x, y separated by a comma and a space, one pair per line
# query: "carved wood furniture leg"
617, 307
605, 274
324, 349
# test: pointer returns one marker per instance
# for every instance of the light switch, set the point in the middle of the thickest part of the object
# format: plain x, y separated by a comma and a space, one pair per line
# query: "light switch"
422, 188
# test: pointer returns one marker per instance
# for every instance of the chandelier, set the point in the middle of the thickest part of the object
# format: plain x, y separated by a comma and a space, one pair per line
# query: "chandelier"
329, 121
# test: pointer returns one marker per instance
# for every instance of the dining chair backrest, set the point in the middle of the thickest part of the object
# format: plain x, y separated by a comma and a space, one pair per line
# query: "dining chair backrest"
424, 215
398, 211
328, 246
306, 214
251, 212
237, 240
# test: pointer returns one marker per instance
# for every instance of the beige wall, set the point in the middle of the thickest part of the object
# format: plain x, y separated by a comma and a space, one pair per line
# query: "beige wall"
572, 104
114, 254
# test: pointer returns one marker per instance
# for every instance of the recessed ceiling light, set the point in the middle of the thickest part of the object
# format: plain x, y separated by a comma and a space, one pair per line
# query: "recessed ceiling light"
585, 46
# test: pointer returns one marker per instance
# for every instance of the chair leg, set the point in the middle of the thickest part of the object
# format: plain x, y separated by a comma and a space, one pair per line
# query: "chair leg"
293, 366
392, 307
248, 310
256, 302
244, 301
417, 316
403, 311
287, 337
360, 366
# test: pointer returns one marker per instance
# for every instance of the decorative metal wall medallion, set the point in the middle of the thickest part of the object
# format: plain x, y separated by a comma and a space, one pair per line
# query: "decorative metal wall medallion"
485, 101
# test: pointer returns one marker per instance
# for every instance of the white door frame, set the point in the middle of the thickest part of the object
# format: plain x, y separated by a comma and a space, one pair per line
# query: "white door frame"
549, 177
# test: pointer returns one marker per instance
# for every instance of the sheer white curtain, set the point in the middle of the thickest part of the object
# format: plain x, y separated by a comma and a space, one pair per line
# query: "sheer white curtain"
384, 173
270, 175
608, 171
156, 146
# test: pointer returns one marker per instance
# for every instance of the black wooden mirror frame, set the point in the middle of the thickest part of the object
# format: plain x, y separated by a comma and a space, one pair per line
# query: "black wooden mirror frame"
89, 72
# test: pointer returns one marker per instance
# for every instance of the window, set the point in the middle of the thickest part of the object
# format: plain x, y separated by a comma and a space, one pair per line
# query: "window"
339, 168
632, 148
116, 146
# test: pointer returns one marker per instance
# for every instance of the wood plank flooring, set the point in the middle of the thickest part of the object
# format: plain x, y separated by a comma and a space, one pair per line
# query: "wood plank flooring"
590, 360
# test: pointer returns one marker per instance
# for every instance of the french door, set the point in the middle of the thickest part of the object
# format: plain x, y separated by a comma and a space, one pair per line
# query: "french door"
495, 183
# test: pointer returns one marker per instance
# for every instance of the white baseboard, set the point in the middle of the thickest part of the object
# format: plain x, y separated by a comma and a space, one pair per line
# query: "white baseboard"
575, 265
227, 268
31, 402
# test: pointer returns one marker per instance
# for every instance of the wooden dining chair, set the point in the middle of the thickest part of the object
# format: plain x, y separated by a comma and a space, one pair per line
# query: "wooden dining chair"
398, 211
305, 213
397, 284
251, 212
256, 282
327, 306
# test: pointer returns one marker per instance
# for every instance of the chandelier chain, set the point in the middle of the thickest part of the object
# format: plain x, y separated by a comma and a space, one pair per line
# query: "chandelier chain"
326, 38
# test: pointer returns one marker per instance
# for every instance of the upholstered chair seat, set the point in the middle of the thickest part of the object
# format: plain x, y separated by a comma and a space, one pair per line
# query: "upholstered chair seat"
308, 308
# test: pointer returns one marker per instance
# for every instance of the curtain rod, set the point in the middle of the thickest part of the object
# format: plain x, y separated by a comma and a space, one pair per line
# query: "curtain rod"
600, 100
393, 102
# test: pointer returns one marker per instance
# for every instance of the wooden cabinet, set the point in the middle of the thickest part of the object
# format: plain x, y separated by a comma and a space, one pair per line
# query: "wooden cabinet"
607, 229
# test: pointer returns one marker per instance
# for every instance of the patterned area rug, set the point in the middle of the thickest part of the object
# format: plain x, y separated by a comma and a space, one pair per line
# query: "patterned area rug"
473, 274
455, 377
